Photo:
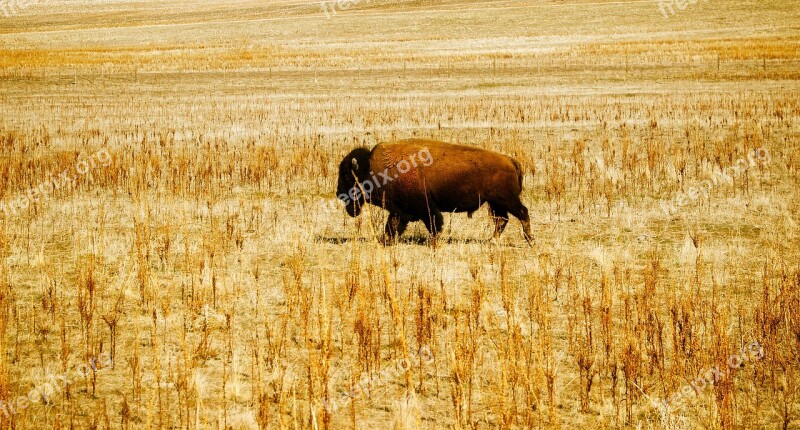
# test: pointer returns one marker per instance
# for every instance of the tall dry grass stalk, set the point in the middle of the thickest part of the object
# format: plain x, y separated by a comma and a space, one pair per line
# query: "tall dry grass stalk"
244, 301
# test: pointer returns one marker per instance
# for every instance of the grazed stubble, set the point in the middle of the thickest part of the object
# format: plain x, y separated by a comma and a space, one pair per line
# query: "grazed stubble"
241, 303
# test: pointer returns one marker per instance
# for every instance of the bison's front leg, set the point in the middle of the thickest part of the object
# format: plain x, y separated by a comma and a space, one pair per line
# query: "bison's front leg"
395, 226
434, 223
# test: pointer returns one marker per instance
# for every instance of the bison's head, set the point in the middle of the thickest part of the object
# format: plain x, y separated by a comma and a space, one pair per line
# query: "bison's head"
354, 166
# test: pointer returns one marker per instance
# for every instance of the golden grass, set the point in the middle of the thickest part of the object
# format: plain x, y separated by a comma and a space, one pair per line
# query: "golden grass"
205, 261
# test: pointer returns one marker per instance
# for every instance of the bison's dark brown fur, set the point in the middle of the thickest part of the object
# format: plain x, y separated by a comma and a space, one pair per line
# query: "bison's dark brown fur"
418, 180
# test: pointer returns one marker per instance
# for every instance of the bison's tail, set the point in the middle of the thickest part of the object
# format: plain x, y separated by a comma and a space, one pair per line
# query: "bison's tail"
519, 171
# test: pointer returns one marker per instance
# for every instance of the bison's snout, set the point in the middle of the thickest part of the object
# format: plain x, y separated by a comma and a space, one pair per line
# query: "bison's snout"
353, 209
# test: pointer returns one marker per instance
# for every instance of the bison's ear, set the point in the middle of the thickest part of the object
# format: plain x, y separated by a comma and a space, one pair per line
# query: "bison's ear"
355, 163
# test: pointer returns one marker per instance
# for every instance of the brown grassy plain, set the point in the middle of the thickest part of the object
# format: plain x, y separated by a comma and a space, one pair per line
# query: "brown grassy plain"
202, 256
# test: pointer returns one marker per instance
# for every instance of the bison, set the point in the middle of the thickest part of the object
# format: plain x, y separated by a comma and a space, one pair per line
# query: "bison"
418, 180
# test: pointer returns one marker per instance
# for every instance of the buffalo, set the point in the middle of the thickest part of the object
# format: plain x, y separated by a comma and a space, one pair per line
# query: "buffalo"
418, 180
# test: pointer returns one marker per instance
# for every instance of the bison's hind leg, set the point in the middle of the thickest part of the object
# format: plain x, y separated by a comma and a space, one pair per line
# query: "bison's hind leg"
395, 226
434, 223
521, 213
499, 215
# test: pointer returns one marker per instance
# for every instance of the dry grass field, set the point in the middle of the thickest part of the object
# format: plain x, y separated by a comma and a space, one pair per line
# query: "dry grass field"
171, 255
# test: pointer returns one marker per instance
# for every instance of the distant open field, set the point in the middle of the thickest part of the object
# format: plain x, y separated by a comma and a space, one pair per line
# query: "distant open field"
172, 254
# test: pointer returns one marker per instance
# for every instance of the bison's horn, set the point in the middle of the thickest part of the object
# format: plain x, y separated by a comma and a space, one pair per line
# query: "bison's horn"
355, 163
